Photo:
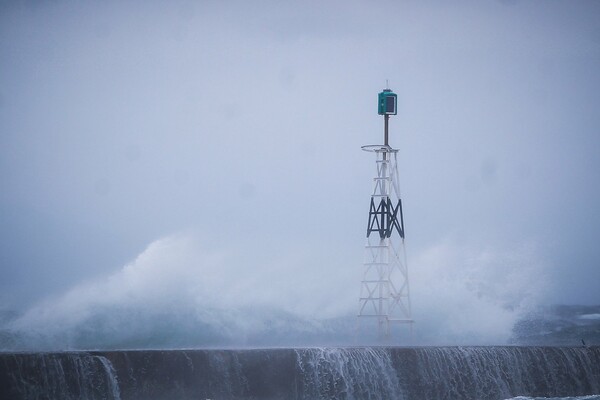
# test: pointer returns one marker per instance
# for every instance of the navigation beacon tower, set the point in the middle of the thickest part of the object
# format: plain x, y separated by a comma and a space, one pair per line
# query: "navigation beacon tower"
384, 293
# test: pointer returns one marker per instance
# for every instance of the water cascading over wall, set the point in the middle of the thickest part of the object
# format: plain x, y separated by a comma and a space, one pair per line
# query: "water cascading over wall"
315, 373
57, 376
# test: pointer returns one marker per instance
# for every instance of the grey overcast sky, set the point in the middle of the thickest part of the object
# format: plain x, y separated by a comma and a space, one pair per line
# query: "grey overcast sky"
240, 123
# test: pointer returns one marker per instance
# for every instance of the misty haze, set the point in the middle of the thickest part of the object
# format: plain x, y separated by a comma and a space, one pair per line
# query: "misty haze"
188, 177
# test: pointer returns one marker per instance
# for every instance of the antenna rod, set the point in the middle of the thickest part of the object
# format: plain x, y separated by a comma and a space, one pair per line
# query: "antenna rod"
386, 107
386, 120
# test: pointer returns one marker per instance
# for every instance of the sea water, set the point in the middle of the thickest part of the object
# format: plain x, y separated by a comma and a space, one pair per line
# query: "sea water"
592, 397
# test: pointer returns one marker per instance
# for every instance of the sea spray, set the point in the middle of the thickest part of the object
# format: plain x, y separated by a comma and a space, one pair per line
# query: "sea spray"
178, 293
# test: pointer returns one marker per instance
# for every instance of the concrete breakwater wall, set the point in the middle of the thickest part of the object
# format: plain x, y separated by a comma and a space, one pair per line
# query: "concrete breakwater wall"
305, 373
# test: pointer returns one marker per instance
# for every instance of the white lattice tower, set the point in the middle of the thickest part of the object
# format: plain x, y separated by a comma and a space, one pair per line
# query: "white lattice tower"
385, 293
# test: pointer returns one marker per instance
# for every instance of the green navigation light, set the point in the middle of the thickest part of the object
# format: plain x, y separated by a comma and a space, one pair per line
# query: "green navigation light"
388, 102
